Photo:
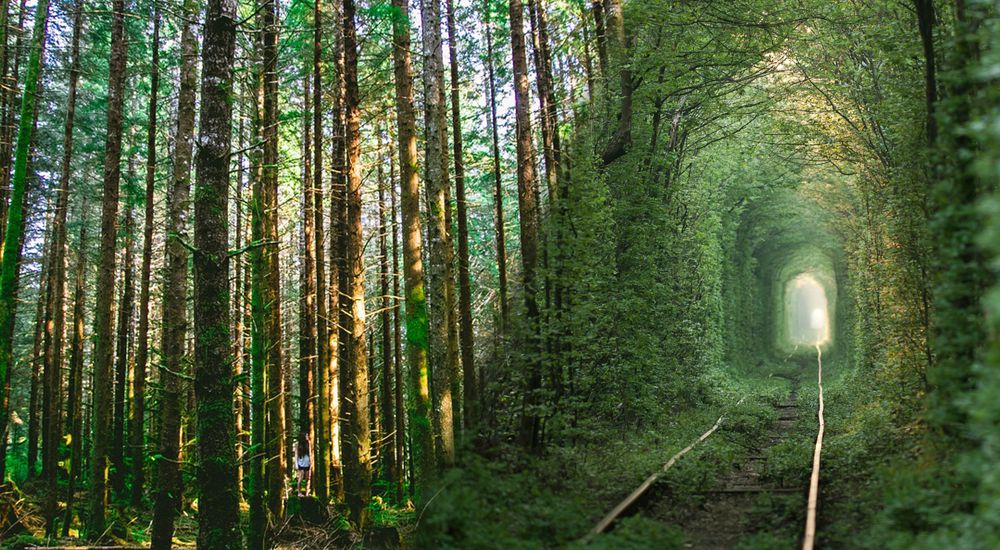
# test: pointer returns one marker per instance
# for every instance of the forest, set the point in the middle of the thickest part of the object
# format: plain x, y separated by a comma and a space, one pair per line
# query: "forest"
512, 274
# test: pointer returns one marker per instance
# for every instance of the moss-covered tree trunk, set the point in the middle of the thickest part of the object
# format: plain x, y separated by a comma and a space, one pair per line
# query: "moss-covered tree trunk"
12, 241
439, 268
10, 106
218, 485
419, 406
175, 285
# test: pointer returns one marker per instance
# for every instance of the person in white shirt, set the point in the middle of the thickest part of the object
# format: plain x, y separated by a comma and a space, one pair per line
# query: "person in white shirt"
303, 464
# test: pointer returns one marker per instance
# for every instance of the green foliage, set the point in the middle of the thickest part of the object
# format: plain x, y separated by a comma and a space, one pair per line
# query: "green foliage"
636, 533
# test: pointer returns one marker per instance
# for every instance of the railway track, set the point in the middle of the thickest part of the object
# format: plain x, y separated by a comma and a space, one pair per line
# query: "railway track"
725, 515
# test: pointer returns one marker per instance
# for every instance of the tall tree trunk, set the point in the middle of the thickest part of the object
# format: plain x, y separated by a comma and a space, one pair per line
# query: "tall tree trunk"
269, 276
419, 407
38, 361
618, 145
354, 381
9, 128
527, 187
597, 9
126, 317
335, 309
307, 281
12, 241
175, 289
137, 421
501, 238
5, 91
255, 481
55, 331
321, 437
546, 97
218, 485
36, 430
288, 433
552, 254
400, 438
437, 231
103, 344
925, 24
469, 383
239, 309
387, 448
74, 401
38, 434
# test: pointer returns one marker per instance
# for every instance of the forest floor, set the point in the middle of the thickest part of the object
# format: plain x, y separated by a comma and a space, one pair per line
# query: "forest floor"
391, 529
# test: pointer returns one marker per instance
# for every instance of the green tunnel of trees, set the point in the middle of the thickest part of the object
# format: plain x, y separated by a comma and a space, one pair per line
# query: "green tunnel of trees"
488, 263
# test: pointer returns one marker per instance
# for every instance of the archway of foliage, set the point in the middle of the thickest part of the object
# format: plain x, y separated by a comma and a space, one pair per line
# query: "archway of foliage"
783, 235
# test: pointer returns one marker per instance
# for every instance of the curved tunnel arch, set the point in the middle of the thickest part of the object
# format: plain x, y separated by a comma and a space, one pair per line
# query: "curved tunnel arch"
784, 240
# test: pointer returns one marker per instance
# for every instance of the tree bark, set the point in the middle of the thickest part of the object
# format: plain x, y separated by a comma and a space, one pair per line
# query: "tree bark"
307, 280
218, 485
622, 138
103, 343
338, 270
9, 129
400, 438
469, 381
354, 380
175, 285
38, 424
37, 433
597, 9
501, 238
74, 401
439, 274
255, 481
321, 437
12, 238
925, 24
239, 313
527, 192
387, 448
56, 293
421, 431
124, 334
546, 98
137, 421
269, 276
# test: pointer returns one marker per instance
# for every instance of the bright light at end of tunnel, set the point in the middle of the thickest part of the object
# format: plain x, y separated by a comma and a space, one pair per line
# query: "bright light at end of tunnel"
807, 313
818, 319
